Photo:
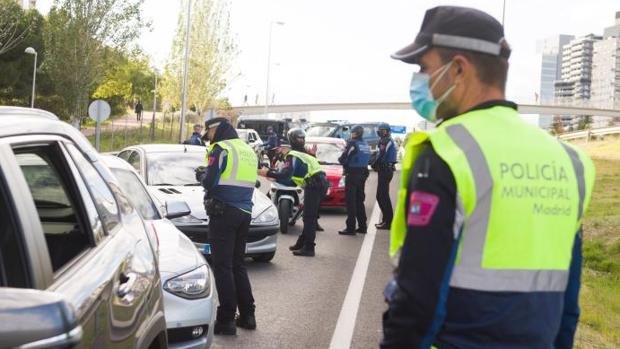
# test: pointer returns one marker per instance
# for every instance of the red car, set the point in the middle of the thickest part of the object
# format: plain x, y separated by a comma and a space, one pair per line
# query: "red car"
328, 150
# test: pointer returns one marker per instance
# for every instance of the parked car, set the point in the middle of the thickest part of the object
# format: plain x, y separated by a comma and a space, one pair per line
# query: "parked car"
261, 123
342, 129
168, 170
190, 296
328, 150
77, 268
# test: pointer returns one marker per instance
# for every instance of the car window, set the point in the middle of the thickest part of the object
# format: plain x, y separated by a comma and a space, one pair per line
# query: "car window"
99, 191
13, 265
328, 153
174, 168
369, 131
134, 160
345, 132
56, 202
136, 194
124, 154
320, 130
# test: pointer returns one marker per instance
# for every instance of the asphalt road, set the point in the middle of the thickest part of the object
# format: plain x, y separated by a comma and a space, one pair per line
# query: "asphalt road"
299, 299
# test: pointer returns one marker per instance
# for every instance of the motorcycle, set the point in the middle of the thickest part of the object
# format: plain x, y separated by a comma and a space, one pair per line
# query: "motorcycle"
290, 204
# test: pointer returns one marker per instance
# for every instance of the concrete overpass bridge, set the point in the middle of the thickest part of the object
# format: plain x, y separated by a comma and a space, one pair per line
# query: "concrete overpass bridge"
523, 108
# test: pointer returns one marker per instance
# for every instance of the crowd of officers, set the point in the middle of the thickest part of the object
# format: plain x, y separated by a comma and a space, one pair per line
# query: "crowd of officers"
475, 268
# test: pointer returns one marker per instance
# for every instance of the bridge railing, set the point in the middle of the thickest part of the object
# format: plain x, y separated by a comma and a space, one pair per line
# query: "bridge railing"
590, 133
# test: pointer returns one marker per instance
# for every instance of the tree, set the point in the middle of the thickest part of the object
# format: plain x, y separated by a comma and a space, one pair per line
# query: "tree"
212, 51
12, 28
81, 37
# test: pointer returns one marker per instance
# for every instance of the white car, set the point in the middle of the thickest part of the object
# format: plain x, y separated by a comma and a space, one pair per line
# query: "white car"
250, 136
189, 288
168, 170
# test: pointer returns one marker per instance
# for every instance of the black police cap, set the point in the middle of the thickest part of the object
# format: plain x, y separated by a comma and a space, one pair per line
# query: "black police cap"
460, 28
215, 122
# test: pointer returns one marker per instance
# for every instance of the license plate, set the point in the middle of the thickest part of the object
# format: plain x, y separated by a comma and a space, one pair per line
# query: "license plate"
207, 249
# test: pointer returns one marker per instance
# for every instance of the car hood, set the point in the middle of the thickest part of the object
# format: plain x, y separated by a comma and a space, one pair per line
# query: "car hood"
332, 170
194, 196
177, 254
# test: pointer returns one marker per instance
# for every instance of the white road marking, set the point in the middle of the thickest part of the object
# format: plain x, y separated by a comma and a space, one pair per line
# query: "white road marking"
343, 333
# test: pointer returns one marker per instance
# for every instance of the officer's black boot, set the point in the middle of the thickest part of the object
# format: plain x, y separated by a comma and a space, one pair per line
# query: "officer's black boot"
247, 321
226, 328
298, 245
361, 230
306, 251
319, 227
383, 226
346, 231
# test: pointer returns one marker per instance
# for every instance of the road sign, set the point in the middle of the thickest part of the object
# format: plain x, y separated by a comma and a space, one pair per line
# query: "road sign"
99, 111
398, 129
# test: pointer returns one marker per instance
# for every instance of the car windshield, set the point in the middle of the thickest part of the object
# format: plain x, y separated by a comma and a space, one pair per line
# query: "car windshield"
243, 134
173, 168
327, 153
320, 130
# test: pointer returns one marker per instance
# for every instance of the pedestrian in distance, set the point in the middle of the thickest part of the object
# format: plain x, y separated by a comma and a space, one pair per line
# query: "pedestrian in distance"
270, 145
138, 110
302, 170
229, 181
196, 137
487, 256
384, 165
354, 159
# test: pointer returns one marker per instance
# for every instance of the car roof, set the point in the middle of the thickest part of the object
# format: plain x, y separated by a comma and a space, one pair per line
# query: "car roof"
16, 121
115, 162
170, 148
329, 140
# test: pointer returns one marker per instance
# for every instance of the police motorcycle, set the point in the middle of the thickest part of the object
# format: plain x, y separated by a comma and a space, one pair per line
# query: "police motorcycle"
288, 200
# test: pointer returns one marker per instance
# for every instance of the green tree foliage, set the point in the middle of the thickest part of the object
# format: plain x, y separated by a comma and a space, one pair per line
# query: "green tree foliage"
81, 38
212, 51
13, 28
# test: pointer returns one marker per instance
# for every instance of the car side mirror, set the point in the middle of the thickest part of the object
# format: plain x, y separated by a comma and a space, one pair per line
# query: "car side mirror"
176, 209
257, 184
37, 319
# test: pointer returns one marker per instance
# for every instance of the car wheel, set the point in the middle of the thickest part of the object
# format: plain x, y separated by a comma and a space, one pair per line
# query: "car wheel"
284, 212
264, 258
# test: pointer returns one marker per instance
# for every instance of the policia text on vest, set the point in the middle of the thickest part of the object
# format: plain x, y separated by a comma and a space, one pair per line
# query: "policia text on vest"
545, 185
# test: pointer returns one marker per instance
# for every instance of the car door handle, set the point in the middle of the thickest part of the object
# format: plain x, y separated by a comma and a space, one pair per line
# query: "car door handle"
126, 285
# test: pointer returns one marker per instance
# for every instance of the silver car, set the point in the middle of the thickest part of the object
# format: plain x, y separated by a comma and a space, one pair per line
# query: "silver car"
168, 170
190, 295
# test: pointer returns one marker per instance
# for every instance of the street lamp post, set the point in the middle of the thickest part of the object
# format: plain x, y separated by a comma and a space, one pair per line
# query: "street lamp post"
154, 108
185, 71
32, 51
269, 65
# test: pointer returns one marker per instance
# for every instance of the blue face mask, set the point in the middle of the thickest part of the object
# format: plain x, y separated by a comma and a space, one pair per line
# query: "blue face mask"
420, 90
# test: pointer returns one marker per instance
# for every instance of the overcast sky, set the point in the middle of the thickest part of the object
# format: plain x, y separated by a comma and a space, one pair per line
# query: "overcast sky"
338, 50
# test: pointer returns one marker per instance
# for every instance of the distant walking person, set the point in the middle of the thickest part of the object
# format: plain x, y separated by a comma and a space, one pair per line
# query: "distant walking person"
138, 110
354, 159
384, 165
196, 138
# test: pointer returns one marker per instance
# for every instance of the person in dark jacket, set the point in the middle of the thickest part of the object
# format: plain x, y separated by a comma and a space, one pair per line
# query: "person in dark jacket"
196, 138
384, 165
479, 267
270, 145
138, 110
354, 159
229, 185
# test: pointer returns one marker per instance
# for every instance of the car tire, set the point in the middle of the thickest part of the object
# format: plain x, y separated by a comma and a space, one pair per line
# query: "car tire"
264, 258
284, 213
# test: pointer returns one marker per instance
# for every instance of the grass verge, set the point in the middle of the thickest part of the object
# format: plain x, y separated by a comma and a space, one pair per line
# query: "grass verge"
599, 327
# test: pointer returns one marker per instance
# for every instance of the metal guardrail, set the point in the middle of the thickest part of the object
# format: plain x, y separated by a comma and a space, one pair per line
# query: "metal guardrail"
590, 133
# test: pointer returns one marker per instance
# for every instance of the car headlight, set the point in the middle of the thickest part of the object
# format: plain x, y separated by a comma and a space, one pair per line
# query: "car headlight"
341, 181
191, 285
189, 219
268, 217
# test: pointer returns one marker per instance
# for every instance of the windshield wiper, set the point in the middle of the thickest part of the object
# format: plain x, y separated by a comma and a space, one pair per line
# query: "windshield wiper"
162, 185
192, 185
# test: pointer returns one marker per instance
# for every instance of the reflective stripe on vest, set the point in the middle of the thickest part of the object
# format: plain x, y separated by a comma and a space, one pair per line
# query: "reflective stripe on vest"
522, 203
242, 164
311, 163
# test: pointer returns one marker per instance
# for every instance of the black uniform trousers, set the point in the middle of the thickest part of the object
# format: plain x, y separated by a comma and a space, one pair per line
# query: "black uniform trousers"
313, 195
227, 236
385, 176
355, 182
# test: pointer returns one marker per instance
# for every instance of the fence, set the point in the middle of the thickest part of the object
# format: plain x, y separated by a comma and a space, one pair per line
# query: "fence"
588, 134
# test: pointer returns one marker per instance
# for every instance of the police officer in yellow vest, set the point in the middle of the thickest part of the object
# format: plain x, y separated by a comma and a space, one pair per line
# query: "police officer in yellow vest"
302, 170
229, 183
487, 226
